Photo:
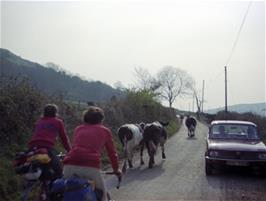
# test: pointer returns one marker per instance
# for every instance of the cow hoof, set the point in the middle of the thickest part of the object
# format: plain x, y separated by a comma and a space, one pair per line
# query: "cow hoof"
163, 156
151, 164
142, 163
130, 166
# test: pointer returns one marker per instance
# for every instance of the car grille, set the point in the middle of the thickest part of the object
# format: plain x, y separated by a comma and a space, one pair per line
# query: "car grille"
238, 155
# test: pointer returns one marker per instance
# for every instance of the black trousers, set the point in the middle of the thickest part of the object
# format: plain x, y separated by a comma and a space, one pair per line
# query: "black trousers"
55, 164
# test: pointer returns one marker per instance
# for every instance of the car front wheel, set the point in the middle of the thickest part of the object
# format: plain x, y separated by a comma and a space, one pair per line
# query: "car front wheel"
263, 171
208, 168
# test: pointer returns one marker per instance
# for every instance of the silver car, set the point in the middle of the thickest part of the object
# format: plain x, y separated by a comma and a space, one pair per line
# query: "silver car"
234, 143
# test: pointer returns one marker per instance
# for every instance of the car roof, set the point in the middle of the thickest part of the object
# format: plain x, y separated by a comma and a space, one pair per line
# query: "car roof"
232, 122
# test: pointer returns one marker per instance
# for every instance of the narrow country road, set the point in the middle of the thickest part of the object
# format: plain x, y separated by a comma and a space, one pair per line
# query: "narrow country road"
182, 176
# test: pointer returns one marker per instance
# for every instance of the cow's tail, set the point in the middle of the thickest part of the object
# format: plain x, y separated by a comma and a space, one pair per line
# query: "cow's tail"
152, 147
125, 151
125, 148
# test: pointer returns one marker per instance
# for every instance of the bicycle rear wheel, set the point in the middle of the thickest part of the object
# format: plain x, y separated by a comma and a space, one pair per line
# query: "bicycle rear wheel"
27, 190
32, 191
44, 191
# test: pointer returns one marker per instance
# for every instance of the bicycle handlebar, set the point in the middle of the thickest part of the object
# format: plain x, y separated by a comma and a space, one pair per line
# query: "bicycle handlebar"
119, 177
61, 155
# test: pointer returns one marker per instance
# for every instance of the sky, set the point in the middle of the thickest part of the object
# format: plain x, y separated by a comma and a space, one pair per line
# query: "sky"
107, 40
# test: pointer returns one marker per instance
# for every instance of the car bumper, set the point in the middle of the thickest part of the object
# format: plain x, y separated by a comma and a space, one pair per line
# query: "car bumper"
235, 162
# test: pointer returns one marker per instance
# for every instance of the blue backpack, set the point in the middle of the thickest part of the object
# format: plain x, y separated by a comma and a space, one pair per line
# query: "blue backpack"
74, 189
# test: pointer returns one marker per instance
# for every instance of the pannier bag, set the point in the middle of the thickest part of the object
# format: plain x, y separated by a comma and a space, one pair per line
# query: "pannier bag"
29, 163
74, 189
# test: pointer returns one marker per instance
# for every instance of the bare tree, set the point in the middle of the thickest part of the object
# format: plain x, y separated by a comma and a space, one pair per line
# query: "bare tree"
198, 102
174, 82
145, 80
196, 95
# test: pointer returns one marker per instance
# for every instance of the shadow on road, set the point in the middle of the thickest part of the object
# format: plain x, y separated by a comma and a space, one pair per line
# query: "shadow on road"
238, 183
143, 173
230, 175
149, 174
238, 172
192, 138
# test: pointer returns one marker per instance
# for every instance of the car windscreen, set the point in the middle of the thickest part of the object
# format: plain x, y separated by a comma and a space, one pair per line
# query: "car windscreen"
234, 131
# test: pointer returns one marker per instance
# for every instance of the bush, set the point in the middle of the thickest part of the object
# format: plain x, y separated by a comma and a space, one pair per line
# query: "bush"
173, 127
19, 106
136, 107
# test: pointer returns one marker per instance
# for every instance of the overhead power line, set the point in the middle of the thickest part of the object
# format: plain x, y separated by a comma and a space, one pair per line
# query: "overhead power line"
238, 33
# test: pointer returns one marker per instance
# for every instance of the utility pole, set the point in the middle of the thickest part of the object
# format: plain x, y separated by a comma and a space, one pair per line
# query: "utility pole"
225, 71
193, 102
202, 96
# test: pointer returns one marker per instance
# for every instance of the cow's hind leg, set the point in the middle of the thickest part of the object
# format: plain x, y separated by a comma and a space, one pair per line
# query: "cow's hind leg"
124, 168
163, 154
151, 150
130, 153
162, 147
141, 153
130, 159
126, 155
151, 161
130, 164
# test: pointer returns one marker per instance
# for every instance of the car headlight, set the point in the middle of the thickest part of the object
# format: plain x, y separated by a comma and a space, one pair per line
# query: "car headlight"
262, 156
214, 153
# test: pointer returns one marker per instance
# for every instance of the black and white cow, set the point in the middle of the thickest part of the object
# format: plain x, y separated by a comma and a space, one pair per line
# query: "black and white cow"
154, 135
131, 137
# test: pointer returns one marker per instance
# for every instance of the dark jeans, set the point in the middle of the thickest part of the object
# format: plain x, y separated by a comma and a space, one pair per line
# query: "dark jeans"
55, 164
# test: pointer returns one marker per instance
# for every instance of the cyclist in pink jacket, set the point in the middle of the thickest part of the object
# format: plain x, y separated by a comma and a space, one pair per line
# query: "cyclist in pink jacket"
47, 129
89, 140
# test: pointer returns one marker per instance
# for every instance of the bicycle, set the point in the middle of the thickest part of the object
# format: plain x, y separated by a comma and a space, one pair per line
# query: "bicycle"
34, 167
78, 189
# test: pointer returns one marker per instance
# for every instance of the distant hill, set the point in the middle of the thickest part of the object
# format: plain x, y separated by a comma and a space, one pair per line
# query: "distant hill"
53, 82
257, 108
